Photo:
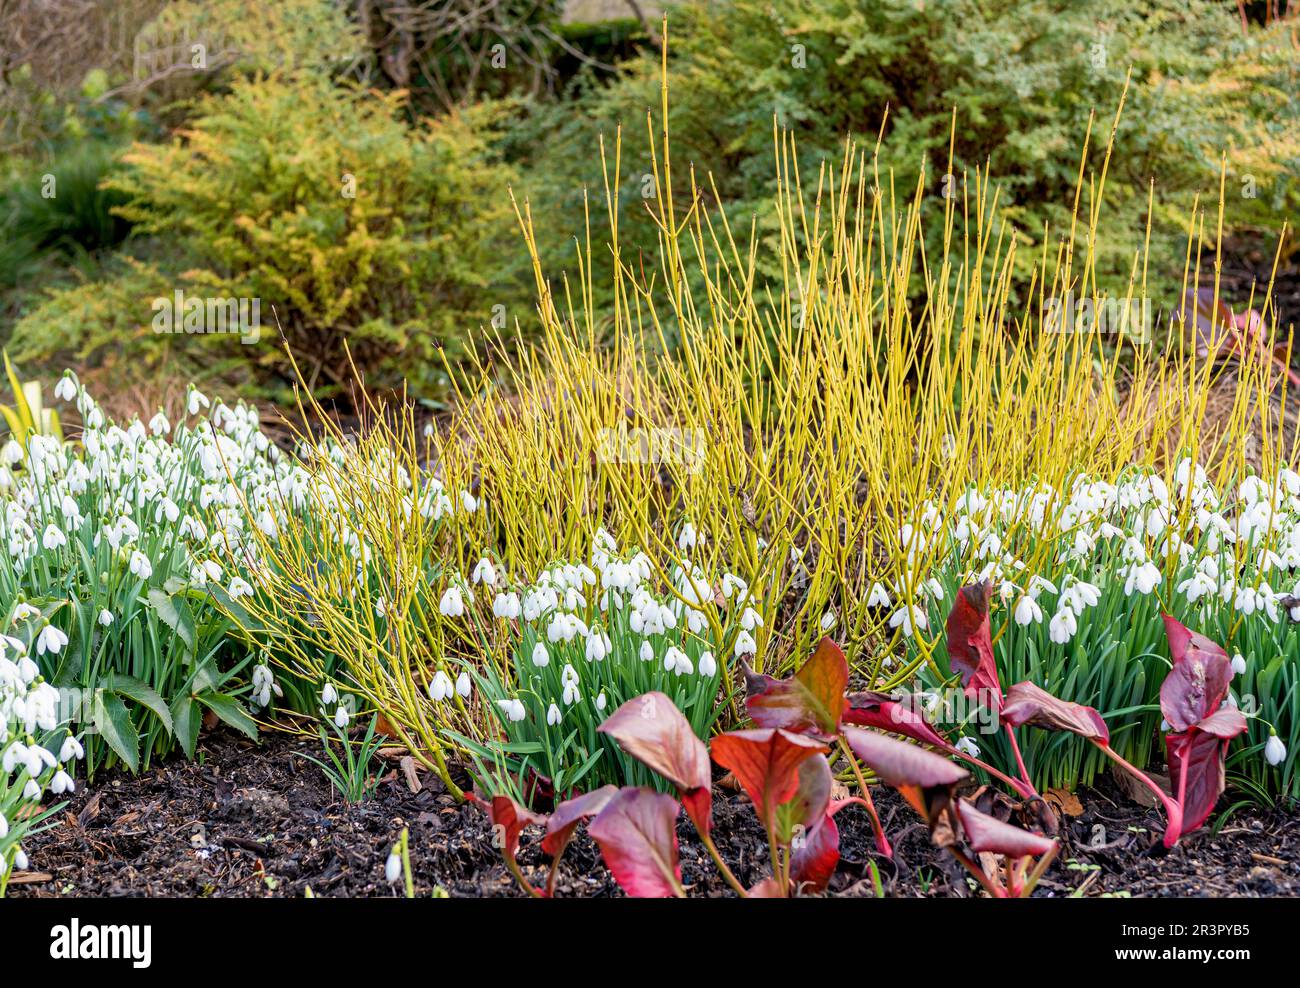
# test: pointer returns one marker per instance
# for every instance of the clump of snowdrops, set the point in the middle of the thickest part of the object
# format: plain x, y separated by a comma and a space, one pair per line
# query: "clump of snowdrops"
35, 755
1084, 574
581, 640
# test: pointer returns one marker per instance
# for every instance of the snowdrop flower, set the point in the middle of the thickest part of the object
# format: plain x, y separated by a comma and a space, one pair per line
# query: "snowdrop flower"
647, 652
61, 783
878, 597
20, 860
1238, 665
66, 389
1062, 626
51, 640
828, 621
1274, 750
571, 694
329, 695
53, 537
506, 606
463, 685
745, 644
1027, 611
393, 866
1141, 577
105, 617
12, 453
909, 618
553, 715
601, 702
468, 502
541, 657
159, 425
751, 619
341, 717
440, 687
677, 661
708, 665
484, 572
24, 611
968, 746
1079, 595
513, 709
687, 538
597, 647
71, 751
452, 603
239, 587
140, 565
197, 402
31, 791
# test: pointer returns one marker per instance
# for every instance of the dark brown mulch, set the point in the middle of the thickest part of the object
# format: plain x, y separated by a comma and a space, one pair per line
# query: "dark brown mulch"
247, 820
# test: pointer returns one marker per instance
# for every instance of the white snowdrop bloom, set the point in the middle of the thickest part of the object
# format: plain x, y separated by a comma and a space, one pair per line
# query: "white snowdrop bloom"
828, 621
708, 665
66, 389
910, 618
4, 827
20, 860
513, 709
733, 585
751, 619
14, 756
568, 674
31, 791
601, 701
329, 695
1198, 585
469, 502
12, 453
452, 603
24, 610
1062, 626
1238, 665
968, 746
197, 402
571, 694
140, 565
61, 783
647, 652
440, 687
1274, 750
463, 685
879, 597
687, 538
1079, 595
506, 606
484, 572
51, 640
595, 649
239, 587
393, 866
1027, 611
553, 715
53, 537
677, 661
71, 750
1143, 578
341, 717
695, 620
159, 425
541, 657
745, 645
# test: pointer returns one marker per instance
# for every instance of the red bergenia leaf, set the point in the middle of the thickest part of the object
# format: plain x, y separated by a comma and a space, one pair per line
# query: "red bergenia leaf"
923, 778
812, 798
816, 854
970, 649
508, 820
637, 834
1196, 773
564, 821
1028, 704
1183, 639
766, 764
1226, 722
652, 730
988, 833
1195, 687
880, 710
810, 701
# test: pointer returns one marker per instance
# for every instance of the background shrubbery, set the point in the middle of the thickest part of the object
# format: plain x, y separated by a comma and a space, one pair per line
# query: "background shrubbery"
234, 183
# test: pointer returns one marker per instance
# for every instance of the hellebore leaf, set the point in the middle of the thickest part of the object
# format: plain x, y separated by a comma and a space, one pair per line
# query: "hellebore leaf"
564, 821
508, 821
1196, 774
923, 778
1029, 704
652, 730
880, 710
765, 761
1195, 687
988, 833
811, 701
970, 649
637, 835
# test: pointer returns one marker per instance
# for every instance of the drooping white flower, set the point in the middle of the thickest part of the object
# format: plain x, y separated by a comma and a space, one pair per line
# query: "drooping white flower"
708, 665
969, 746
239, 587
647, 652
51, 640
601, 701
463, 685
140, 565
745, 645
393, 866
513, 709
1062, 626
105, 617
440, 687
1274, 750
677, 661
53, 537
452, 603
1027, 611
71, 750
910, 618
687, 538
879, 597
541, 657
61, 783
1238, 664
553, 715
341, 717
484, 572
